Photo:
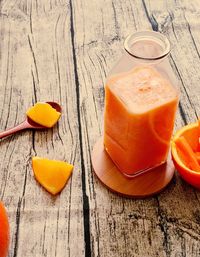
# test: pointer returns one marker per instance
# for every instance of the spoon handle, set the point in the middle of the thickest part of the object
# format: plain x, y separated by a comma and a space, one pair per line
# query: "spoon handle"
11, 131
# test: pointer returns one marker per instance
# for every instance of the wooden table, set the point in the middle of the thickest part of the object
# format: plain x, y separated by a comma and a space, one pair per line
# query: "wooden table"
61, 50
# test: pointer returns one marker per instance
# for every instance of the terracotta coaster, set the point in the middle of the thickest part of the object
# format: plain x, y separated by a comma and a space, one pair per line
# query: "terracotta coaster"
140, 186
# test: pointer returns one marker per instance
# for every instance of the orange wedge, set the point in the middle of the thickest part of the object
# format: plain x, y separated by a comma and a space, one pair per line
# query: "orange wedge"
51, 174
43, 114
183, 153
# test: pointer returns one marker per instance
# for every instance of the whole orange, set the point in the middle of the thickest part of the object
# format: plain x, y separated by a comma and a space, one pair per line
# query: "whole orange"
4, 231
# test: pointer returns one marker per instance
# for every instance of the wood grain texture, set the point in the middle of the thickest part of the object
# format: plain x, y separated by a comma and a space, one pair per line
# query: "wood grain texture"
61, 51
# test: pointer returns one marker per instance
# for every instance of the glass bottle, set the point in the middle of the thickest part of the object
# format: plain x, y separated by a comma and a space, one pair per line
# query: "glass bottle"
141, 98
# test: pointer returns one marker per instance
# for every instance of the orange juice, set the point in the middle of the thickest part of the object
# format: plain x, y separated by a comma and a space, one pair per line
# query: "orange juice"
140, 108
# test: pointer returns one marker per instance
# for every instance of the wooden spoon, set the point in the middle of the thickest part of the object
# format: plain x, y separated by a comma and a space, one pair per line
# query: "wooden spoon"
28, 123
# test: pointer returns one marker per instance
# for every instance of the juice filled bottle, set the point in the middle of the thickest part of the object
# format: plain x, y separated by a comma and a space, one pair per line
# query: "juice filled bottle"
141, 99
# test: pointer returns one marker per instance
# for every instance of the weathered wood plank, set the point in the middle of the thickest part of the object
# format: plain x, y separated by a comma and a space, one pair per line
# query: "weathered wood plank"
118, 227
127, 227
37, 65
173, 212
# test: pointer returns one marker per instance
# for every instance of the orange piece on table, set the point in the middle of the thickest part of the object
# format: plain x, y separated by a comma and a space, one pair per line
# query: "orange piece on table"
187, 153
140, 108
51, 174
4, 231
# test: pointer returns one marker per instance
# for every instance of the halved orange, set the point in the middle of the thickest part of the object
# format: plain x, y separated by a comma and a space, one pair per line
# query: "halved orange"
191, 133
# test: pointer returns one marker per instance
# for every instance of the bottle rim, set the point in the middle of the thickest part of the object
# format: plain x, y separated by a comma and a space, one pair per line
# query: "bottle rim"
151, 35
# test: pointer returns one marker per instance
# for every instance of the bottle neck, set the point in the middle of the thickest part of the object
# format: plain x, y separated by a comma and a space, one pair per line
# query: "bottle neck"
147, 46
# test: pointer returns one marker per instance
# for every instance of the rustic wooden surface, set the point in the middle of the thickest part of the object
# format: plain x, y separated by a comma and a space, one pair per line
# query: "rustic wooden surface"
61, 50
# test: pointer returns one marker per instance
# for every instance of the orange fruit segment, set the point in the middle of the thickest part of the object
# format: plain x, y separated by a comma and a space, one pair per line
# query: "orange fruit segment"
51, 174
4, 231
197, 154
185, 151
198, 149
162, 122
43, 114
189, 155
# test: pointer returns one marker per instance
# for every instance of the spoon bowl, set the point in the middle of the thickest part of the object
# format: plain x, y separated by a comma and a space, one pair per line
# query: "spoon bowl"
28, 123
